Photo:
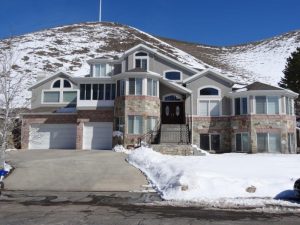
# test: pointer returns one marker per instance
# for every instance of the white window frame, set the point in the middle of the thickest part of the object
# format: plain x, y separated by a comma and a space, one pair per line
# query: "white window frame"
61, 90
268, 140
152, 82
267, 110
241, 133
209, 98
135, 93
140, 57
104, 92
166, 71
108, 70
134, 118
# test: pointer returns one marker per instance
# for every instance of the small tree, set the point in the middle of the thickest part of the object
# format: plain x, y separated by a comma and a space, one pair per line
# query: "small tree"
291, 79
12, 94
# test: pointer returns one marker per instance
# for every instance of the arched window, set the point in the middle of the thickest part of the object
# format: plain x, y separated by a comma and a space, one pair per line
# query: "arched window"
56, 84
67, 84
141, 60
172, 97
173, 75
209, 91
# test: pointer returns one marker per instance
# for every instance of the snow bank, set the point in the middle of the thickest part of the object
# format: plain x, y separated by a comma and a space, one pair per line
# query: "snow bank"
120, 148
215, 177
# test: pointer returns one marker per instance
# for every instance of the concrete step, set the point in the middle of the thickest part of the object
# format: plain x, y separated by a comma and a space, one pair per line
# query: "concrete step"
173, 149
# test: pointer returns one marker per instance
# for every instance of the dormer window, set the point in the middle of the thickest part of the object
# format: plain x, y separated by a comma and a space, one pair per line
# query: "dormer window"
102, 70
56, 84
141, 60
173, 75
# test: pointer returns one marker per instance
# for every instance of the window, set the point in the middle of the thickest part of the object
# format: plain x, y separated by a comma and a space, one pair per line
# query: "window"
51, 97
103, 70
172, 98
209, 108
97, 91
210, 142
135, 86
151, 122
56, 84
209, 91
120, 87
242, 142
141, 60
70, 96
267, 105
240, 106
151, 87
268, 142
289, 106
67, 84
135, 125
291, 142
173, 75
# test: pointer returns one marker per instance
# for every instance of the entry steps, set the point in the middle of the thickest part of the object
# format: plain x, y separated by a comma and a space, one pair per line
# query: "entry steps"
174, 133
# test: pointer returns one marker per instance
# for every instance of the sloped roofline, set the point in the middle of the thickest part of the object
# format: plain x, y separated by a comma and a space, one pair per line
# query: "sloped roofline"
155, 52
203, 73
46, 79
175, 86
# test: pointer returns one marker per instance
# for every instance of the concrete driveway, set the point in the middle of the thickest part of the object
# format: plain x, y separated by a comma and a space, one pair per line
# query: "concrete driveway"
69, 170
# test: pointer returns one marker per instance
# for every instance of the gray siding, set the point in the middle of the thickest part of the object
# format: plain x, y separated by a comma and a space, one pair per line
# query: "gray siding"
210, 80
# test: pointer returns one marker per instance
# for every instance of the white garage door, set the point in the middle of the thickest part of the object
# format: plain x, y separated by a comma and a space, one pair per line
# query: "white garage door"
52, 136
97, 135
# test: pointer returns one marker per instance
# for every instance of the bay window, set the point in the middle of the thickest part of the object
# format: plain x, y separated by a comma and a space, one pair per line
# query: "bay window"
151, 122
289, 106
267, 105
121, 87
135, 124
135, 86
242, 142
151, 87
241, 106
268, 142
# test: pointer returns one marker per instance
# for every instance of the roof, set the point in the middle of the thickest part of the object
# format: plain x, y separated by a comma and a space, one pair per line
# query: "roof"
208, 71
261, 86
155, 52
175, 86
46, 79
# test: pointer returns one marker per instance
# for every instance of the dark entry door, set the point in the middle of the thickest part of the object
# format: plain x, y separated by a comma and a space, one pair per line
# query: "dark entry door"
173, 113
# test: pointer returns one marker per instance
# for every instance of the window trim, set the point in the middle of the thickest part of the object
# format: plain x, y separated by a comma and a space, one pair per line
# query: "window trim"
210, 96
142, 124
267, 111
135, 89
152, 85
167, 71
140, 57
268, 141
61, 91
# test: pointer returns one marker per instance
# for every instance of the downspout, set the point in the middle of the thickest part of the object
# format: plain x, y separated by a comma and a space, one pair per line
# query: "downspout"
191, 114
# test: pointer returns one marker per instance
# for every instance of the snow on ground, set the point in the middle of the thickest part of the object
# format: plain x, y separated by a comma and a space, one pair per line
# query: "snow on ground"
219, 179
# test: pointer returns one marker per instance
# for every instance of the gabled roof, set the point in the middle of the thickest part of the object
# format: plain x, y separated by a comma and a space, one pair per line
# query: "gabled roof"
46, 79
175, 86
155, 52
261, 86
208, 71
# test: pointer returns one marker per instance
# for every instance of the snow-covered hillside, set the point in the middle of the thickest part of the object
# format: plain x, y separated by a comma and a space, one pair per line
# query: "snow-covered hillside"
264, 60
68, 48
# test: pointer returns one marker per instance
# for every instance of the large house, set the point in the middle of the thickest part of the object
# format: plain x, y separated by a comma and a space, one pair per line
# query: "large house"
149, 96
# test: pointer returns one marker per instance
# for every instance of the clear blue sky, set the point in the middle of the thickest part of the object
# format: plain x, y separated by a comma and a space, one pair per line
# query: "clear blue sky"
213, 22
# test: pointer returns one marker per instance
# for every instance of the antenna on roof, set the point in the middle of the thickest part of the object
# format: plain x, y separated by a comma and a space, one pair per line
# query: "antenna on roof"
100, 11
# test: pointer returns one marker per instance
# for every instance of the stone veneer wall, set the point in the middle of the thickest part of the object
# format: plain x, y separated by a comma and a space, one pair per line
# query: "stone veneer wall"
136, 105
282, 124
213, 125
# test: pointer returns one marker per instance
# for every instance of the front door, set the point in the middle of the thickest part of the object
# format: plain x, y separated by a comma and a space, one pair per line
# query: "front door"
172, 113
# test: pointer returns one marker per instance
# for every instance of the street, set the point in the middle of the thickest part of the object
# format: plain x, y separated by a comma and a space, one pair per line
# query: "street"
74, 208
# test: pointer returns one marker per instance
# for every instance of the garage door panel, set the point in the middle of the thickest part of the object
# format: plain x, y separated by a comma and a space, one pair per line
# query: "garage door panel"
97, 136
52, 136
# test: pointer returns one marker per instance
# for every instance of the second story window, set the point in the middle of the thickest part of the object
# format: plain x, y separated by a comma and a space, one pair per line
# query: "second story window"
135, 86
289, 109
240, 106
209, 102
267, 105
173, 75
121, 87
151, 87
97, 91
103, 70
141, 60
